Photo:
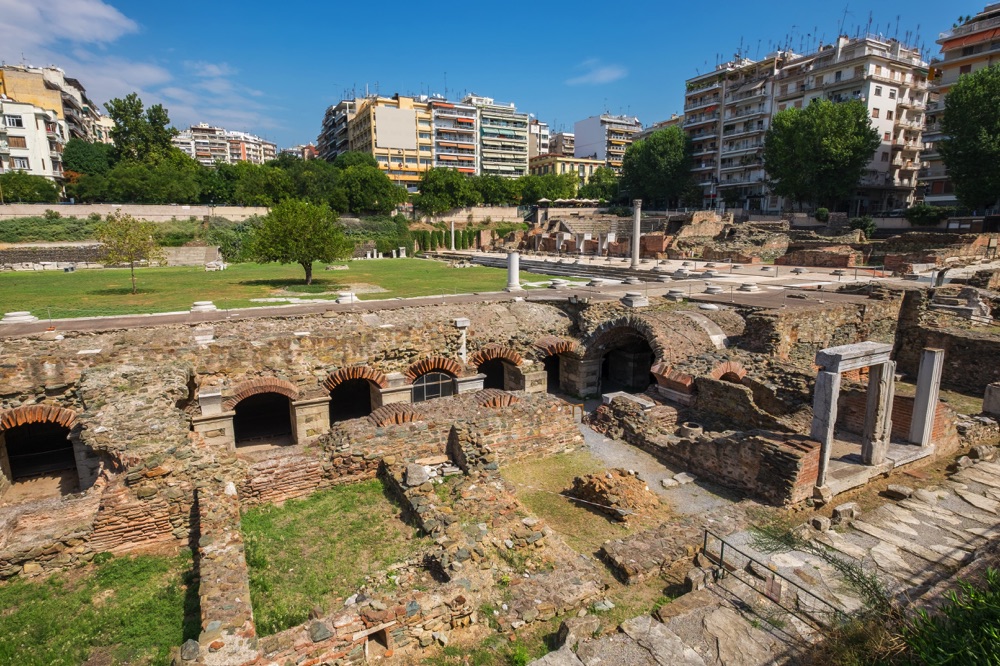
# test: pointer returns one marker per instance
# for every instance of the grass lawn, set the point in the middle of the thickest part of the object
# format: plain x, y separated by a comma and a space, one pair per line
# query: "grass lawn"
88, 293
128, 610
315, 551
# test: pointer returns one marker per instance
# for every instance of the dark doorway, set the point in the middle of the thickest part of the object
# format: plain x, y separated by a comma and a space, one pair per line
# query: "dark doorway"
39, 449
551, 364
495, 374
626, 367
352, 399
263, 418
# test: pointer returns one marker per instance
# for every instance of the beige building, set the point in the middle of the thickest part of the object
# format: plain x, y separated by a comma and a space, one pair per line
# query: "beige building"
605, 137
50, 88
398, 132
582, 168
211, 145
503, 138
31, 139
965, 49
563, 143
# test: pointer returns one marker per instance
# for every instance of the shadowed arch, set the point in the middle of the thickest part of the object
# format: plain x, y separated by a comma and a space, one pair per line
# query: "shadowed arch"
551, 345
433, 364
732, 371
394, 414
335, 379
261, 385
493, 352
605, 335
28, 414
495, 398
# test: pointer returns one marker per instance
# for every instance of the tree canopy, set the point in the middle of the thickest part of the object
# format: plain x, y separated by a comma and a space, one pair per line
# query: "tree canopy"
19, 186
299, 232
547, 186
602, 184
87, 158
127, 240
972, 150
658, 168
818, 154
444, 189
139, 133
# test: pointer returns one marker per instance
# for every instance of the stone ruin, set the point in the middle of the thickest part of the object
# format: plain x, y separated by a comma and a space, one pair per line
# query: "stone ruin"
616, 492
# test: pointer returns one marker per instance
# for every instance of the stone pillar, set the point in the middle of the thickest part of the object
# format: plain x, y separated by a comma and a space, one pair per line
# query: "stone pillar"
217, 429
991, 399
453, 235
637, 206
513, 272
469, 384
579, 377
310, 418
878, 413
925, 403
396, 392
825, 396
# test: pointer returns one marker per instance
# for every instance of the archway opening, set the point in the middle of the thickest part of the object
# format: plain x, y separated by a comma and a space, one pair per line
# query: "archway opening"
433, 385
552, 379
39, 461
264, 418
351, 399
496, 373
626, 366
731, 377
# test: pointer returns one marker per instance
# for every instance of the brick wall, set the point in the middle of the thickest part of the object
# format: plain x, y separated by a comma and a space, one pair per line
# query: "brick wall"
851, 408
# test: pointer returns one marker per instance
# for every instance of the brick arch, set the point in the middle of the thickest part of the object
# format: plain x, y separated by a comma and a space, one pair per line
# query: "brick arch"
260, 385
551, 345
729, 368
495, 398
27, 414
433, 364
670, 378
492, 352
394, 414
338, 377
598, 341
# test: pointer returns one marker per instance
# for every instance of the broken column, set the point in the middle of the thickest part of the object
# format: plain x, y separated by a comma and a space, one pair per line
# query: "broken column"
825, 418
636, 214
926, 400
513, 272
878, 413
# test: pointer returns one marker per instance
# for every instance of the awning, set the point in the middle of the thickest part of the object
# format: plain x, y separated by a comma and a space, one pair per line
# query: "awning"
968, 40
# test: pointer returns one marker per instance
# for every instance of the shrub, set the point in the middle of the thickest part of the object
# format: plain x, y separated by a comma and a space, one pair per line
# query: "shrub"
822, 214
866, 224
922, 214
51, 215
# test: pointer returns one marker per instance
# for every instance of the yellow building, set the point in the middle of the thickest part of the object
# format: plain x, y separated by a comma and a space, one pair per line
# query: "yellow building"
398, 132
582, 167
49, 88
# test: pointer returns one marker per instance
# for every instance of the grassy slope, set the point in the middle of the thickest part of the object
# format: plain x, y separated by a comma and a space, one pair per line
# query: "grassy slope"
88, 293
127, 610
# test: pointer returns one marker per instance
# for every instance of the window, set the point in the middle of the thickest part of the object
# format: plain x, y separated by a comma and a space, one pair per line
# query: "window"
819, 79
878, 91
411, 160
19, 163
424, 135
859, 71
874, 113
433, 385
784, 89
17, 142
382, 159
892, 94
424, 123
13, 121
964, 69
887, 137
878, 70
885, 157
425, 149
836, 76
889, 114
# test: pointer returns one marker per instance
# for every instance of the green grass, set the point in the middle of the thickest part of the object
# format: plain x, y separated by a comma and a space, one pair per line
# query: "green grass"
88, 293
315, 551
128, 610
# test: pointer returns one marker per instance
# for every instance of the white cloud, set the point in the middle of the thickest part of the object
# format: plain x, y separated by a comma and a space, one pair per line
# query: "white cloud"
28, 27
209, 69
596, 73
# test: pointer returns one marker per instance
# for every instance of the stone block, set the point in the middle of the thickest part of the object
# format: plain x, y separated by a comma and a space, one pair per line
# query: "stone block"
991, 399
821, 523
898, 492
845, 512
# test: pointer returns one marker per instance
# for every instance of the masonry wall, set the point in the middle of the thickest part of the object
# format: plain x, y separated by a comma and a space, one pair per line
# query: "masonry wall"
150, 212
852, 404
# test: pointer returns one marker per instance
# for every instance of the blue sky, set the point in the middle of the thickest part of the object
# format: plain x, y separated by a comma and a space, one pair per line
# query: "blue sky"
273, 68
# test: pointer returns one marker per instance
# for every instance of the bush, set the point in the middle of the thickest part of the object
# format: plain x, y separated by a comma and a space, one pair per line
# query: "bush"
822, 214
30, 229
925, 215
866, 224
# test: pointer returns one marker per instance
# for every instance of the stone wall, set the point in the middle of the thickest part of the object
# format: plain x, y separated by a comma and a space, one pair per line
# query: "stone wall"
851, 406
830, 257
150, 212
732, 405
52, 254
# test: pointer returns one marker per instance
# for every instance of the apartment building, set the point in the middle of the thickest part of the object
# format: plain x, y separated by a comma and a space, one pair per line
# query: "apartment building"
964, 49
503, 137
605, 137
245, 147
31, 139
332, 139
673, 121
538, 138
398, 131
303, 151
728, 112
456, 135
205, 143
563, 143
583, 168
50, 88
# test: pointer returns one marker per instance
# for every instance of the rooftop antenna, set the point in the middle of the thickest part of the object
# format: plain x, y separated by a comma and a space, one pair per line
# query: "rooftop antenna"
895, 35
868, 28
757, 55
843, 19
446, 85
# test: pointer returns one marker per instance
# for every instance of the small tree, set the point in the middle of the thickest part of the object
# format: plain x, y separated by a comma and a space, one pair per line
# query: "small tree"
866, 224
298, 232
127, 240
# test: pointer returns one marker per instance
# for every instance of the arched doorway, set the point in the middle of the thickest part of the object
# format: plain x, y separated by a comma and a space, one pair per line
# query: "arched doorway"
496, 373
552, 377
263, 418
36, 450
350, 399
431, 385
626, 366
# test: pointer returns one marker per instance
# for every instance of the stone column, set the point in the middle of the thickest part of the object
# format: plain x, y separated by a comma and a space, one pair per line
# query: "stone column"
453, 235
637, 206
925, 403
310, 418
513, 272
825, 418
878, 413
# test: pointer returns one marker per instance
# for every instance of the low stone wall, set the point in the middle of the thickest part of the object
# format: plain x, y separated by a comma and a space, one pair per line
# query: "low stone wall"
286, 475
732, 404
150, 212
832, 257
53, 254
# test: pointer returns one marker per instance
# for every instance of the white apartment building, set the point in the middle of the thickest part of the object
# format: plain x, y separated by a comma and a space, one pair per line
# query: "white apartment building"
605, 137
333, 137
31, 140
211, 145
538, 138
503, 138
244, 147
455, 130
728, 111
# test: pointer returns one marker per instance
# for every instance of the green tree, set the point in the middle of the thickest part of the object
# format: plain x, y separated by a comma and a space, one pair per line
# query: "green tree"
354, 158
602, 184
866, 224
444, 189
369, 190
497, 190
127, 240
299, 232
139, 133
817, 154
658, 168
972, 150
86, 157
548, 186
259, 185
23, 187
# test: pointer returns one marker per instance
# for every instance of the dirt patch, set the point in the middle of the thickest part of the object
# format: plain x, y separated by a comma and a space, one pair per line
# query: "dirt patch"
617, 493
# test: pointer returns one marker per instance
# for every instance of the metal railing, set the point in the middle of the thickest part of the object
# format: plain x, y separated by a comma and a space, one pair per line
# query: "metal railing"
780, 589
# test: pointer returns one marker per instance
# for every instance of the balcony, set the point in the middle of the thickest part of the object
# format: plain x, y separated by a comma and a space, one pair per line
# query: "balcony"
4, 148
743, 149
703, 88
746, 114
753, 130
703, 166
705, 151
908, 103
701, 103
701, 120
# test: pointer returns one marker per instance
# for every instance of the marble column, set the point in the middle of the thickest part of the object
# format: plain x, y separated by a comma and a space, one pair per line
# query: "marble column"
825, 396
925, 403
878, 413
513, 272
636, 215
